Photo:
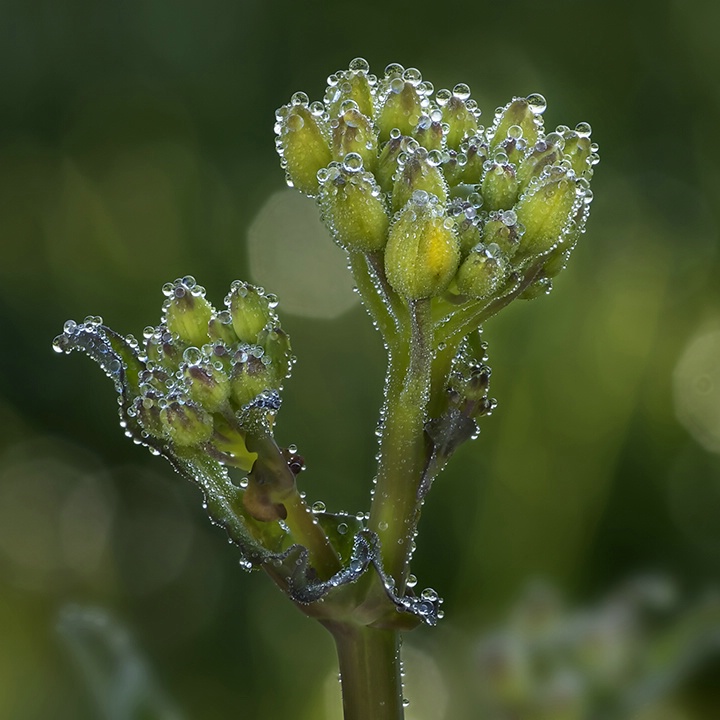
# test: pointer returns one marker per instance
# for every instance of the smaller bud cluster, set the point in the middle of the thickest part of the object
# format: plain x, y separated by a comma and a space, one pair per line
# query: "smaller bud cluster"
400, 169
202, 376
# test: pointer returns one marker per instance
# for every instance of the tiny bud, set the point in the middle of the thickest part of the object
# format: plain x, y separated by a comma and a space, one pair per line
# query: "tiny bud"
578, 150
546, 210
461, 122
350, 86
418, 174
429, 133
304, 147
476, 153
207, 386
185, 423
353, 132
353, 210
148, 414
518, 112
188, 315
499, 187
248, 380
498, 231
401, 108
388, 162
276, 344
220, 328
250, 311
422, 253
481, 274
544, 154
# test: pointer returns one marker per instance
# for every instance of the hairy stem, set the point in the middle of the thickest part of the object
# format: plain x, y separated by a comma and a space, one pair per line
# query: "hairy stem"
395, 508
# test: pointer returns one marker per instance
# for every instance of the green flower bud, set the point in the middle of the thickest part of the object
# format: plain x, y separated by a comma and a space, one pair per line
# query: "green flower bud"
499, 186
420, 171
207, 386
352, 206
457, 112
147, 411
387, 163
471, 160
423, 252
429, 132
353, 132
501, 229
185, 423
249, 379
523, 112
400, 105
220, 328
250, 310
464, 212
579, 149
546, 210
278, 354
302, 142
353, 84
545, 152
482, 273
162, 348
187, 312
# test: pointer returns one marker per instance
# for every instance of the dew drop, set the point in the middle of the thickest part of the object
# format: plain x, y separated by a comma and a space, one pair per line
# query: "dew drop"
461, 91
583, 129
353, 163
359, 64
537, 103
318, 507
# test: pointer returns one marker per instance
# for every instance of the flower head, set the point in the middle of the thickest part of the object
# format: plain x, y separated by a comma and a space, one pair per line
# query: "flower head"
509, 191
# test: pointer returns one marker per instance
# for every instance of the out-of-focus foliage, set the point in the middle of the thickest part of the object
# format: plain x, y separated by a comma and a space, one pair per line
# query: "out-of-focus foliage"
136, 144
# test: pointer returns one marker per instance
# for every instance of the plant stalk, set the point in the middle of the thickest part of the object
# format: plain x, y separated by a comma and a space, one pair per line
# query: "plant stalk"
369, 671
395, 507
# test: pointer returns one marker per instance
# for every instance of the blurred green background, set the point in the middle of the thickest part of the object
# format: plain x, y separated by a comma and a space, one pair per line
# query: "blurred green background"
136, 145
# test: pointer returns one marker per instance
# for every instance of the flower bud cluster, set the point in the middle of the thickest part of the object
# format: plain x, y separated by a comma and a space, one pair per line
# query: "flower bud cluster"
401, 169
202, 376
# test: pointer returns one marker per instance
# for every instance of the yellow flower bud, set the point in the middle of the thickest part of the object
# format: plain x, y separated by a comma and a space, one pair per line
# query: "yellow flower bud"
546, 211
423, 252
524, 113
400, 103
187, 312
185, 423
250, 310
457, 112
420, 171
482, 273
302, 142
499, 186
353, 132
354, 84
352, 206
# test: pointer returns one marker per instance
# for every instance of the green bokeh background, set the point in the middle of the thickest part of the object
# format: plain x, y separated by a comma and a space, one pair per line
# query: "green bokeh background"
136, 145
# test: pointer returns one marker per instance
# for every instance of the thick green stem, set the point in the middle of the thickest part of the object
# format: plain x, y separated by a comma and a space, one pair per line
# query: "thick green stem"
395, 507
369, 671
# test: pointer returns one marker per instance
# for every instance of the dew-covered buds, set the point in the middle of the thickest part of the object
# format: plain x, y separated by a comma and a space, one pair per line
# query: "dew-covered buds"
501, 197
202, 378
